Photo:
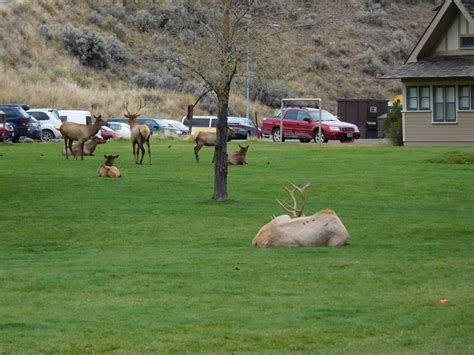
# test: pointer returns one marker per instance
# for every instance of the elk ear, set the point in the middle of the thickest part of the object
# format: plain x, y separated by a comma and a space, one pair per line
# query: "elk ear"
98, 117
106, 157
116, 157
241, 147
128, 116
247, 148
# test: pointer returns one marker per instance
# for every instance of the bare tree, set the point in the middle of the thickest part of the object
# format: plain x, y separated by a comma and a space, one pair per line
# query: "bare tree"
214, 50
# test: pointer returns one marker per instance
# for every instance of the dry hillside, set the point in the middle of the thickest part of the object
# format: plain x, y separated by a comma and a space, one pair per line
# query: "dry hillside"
345, 46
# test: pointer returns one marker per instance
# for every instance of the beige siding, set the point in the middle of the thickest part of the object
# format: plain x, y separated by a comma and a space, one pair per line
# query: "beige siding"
449, 44
419, 129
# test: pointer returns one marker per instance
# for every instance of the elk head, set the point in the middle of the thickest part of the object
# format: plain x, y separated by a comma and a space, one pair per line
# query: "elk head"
110, 159
132, 117
99, 121
293, 209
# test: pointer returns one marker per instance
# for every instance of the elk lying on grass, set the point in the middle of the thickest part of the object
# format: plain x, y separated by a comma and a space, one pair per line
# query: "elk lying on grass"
208, 139
238, 158
108, 169
79, 132
324, 228
89, 148
140, 134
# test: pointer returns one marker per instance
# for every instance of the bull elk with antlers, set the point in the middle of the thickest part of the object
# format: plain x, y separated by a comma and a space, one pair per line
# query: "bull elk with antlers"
140, 134
79, 132
324, 228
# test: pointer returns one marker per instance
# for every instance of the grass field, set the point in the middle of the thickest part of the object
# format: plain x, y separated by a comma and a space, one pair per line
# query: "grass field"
148, 263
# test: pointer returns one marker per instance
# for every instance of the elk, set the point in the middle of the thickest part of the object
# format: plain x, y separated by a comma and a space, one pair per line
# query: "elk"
140, 134
79, 132
89, 148
108, 169
208, 139
323, 228
238, 158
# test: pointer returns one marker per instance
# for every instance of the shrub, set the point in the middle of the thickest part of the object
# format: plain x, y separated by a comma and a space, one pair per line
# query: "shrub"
392, 125
320, 63
371, 65
120, 30
46, 32
271, 92
374, 15
93, 49
96, 19
162, 79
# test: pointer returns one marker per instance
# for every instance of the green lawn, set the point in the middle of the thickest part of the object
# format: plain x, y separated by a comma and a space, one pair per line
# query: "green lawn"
148, 263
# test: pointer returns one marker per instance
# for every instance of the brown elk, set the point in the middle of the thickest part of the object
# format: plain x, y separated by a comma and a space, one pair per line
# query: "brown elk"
140, 134
79, 132
238, 157
89, 148
108, 169
324, 228
208, 139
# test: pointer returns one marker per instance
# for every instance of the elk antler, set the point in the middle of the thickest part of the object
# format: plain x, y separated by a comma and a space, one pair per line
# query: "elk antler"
125, 106
297, 212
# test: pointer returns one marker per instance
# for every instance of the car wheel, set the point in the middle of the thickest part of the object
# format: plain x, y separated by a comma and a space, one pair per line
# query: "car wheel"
15, 139
317, 138
276, 135
47, 135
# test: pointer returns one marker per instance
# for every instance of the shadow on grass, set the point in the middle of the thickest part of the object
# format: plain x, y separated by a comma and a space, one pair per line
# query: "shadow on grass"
454, 157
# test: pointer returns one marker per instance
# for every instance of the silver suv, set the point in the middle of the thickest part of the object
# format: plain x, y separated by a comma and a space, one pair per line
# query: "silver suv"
50, 122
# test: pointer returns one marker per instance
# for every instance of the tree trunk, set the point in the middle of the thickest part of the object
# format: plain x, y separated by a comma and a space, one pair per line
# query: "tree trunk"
220, 150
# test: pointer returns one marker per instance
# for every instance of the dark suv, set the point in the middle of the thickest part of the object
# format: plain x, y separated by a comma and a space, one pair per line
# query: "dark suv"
23, 124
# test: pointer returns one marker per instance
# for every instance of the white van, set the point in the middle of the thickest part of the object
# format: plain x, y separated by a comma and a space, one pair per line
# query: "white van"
76, 116
201, 123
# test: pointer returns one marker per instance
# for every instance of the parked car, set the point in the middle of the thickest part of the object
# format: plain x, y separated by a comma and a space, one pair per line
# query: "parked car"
6, 132
107, 133
50, 122
179, 126
122, 129
23, 124
34, 129
76, 116
243, 127
154, 128
303, 123
201, 123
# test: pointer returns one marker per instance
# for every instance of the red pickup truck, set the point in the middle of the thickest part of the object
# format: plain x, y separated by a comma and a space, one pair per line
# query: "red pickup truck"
303, 123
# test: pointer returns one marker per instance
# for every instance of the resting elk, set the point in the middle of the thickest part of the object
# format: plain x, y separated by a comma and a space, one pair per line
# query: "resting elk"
208, 139
140, 134
324, 228
108, 169
79, 132
238, 158
89, 148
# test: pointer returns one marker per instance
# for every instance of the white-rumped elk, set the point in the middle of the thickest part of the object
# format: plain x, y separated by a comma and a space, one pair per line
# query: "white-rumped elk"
108, 169
208, 139
89, 148
322, 229
140, 134
79, 132
238, 157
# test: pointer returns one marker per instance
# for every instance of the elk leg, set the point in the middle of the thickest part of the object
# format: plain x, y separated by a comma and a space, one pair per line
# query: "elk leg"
134, 157
69, 145
149, 151
197, 148
66, 147
81, 145
142, 149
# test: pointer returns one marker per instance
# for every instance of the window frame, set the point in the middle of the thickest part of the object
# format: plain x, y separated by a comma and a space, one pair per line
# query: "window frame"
420, 98
444, 104
469, 94
409, 90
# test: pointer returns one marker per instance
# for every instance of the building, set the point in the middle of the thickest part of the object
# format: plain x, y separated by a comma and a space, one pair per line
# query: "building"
438, 80
365, 114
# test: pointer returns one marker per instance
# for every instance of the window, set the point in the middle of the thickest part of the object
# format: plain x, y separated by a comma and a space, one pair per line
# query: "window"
424, 98
412, 98
40, 116
444, 104
464, 97
291, 115
467, 42
302, 115
200, 122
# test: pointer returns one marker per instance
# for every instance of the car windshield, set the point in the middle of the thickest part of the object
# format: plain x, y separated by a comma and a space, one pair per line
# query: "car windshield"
163, 123
326, 116
178, 125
